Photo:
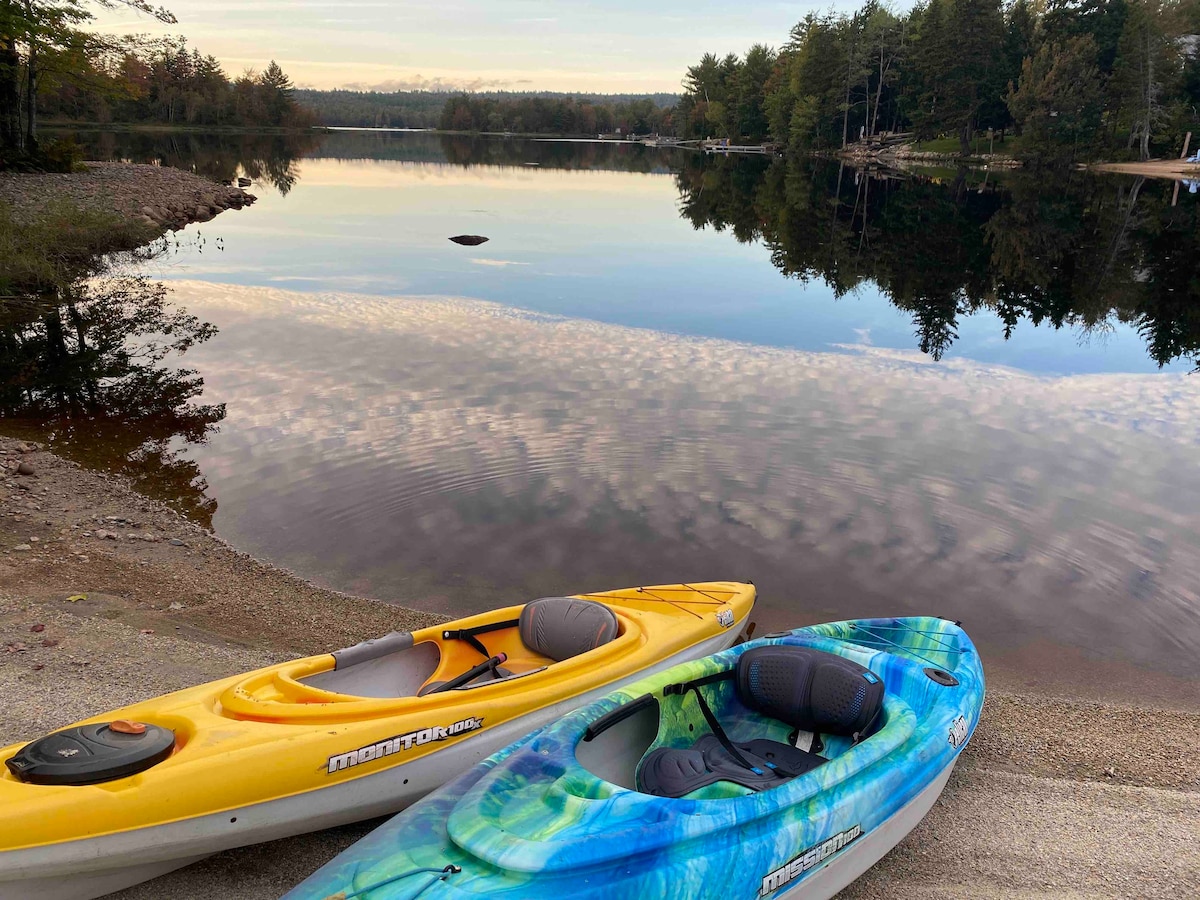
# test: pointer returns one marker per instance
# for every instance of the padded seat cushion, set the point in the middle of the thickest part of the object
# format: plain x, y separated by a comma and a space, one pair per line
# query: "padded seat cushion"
810, 689
668, 772
563, 627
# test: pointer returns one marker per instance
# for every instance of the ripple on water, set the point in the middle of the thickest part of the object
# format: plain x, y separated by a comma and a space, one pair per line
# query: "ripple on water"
448, 439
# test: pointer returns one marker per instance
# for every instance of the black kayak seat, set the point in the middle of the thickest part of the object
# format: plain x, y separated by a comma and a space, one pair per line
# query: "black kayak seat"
555, 627
563, 627
808, 689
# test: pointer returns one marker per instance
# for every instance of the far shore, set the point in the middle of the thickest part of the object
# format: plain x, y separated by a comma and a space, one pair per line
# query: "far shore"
1056, 795
899, 157
1152, 168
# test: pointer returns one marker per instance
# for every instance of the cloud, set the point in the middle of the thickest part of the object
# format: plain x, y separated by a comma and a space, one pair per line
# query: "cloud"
420, 83
404, 437
499, 263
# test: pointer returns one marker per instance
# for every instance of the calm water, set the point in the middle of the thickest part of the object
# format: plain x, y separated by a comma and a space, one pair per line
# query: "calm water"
954, 395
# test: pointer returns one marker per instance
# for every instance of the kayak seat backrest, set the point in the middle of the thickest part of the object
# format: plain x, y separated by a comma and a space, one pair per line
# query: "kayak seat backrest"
810, 689
563, 627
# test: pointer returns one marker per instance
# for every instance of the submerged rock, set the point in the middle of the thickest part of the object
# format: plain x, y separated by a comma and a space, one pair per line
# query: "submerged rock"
469, 240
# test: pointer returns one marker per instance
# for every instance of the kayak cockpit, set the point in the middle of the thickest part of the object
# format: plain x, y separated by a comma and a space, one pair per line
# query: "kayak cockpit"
403, 667
782, 712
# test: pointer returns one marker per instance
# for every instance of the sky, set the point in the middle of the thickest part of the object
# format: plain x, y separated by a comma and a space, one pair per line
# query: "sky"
609, 46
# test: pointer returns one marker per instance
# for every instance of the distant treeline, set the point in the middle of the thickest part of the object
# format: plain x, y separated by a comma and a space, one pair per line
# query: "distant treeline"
165, 82
1075, 77
424, 109
556, 114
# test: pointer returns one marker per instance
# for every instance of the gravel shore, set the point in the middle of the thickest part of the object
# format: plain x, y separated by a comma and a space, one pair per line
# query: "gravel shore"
1055, 796
158, 196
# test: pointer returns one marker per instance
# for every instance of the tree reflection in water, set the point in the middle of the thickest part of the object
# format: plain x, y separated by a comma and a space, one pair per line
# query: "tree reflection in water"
264, 158
1065, 249
89, 368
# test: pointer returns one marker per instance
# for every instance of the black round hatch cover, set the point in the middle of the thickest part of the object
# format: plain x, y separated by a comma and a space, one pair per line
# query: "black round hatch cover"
90, 754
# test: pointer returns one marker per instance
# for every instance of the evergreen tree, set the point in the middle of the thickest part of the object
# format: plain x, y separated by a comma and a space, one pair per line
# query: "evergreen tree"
1060, 97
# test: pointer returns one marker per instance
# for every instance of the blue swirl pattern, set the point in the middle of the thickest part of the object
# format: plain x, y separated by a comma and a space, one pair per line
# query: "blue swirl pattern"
532, 822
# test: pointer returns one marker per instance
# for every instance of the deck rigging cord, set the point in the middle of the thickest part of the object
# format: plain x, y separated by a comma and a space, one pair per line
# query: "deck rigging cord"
438, 875
881, 639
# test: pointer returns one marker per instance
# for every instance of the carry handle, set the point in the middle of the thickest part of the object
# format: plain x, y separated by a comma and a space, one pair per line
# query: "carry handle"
611, 718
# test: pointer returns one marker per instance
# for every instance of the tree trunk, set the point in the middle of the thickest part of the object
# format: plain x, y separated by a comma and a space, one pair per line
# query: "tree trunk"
10, 95
964, 139
846, 110
878, 91
31, 80
1149, 98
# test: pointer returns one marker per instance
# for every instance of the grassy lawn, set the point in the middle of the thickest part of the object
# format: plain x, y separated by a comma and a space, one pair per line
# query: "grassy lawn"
1009, 146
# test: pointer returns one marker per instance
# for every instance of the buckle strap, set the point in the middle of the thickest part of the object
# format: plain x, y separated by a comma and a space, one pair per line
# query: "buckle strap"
713, 725
470, 634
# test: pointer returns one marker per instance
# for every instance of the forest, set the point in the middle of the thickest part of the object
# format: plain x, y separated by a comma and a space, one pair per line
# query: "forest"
52, 67
1073, 78
558, 114
502, 109
1047, 79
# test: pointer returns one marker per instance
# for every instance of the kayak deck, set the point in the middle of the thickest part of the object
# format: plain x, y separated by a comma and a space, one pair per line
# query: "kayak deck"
561, 812
293, 729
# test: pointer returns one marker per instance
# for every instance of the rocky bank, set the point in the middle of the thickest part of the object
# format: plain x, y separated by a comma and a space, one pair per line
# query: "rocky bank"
159, 196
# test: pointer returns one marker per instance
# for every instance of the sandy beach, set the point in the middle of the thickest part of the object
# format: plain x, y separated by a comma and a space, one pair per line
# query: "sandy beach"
1153, 168
1058, 794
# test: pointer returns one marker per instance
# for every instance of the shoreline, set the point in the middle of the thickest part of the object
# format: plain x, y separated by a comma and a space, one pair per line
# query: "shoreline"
159, 197
1055, 795
1175, 169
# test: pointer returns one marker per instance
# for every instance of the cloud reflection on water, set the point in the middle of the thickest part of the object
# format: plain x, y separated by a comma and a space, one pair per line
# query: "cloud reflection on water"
464, 453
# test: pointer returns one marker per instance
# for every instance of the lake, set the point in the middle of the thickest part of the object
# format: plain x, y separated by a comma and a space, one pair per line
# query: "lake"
967, 394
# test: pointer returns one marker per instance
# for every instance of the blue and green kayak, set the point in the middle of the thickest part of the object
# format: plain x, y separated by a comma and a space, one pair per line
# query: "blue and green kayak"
783, 767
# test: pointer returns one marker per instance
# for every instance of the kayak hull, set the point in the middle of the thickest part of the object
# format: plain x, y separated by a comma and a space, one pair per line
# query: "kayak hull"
827, 881
538, 820
93, 866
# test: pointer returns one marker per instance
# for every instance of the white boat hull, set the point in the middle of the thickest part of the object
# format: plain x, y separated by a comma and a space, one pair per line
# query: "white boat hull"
871, 847
93, 867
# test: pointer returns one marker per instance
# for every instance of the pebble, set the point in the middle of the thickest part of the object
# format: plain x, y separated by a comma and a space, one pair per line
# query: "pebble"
22, 547
25, 469
176, 542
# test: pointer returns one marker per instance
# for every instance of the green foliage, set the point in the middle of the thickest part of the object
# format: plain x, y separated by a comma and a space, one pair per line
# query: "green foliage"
955, 67
165, 82
1060, 98
560, 114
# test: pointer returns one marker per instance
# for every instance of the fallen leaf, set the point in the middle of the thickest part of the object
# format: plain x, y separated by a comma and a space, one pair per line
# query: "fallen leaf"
38, 667
76, 598
38, 629
16, 647
146, 631
49, 643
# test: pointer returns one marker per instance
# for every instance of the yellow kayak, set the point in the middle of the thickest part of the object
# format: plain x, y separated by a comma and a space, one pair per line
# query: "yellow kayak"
329, 739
